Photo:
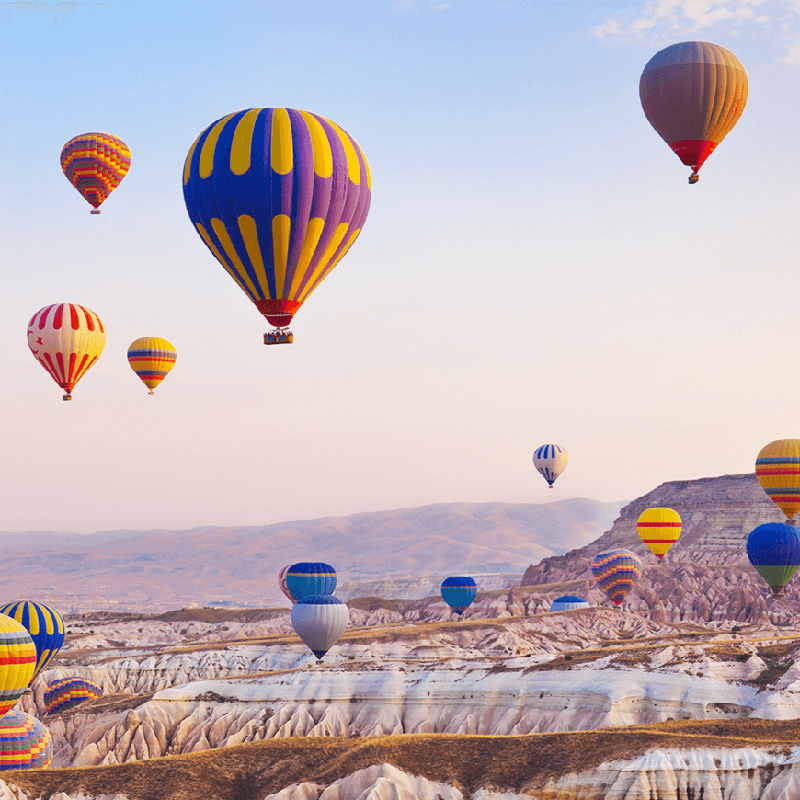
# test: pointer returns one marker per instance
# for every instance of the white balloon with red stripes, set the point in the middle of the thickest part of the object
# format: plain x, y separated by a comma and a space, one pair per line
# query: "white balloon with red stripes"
66, 339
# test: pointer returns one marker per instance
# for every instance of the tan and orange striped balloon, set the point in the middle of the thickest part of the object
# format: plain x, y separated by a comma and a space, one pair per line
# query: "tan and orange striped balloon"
659, 528
778, 472
693, 93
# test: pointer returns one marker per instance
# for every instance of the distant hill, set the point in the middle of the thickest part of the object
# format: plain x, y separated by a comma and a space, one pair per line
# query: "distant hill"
160, 570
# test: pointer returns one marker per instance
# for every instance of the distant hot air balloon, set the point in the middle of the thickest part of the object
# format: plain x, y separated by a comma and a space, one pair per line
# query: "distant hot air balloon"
616, 572
778, 472
659, 528
551, 461
68, 693
278, 196
95, 164
568, 602
45, 626
24, 742
283, 584
17, 662
774, 550
693, 93
307, 578
319, 620
66, 339
459, 593
151, 358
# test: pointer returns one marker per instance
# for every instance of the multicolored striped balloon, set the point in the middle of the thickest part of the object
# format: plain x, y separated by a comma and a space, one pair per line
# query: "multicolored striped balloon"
659, 529
616, 572
778, 472
17, 662
278, 196
550, 460
66, 339
68, 693
459, 593
693, 93
774, 550
283, 584
151, 358
45, 626
95, 164
569, 602
310, 578
24, 742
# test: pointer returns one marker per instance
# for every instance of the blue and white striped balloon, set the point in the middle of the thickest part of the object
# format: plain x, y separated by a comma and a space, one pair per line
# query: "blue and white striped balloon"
551, 461
319, 620
310, 577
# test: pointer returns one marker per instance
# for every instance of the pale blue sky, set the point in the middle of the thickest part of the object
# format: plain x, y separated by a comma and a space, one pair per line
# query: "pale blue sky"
534, 268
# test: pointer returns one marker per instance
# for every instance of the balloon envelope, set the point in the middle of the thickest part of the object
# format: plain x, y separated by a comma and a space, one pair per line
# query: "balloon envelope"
45, 626
66, 339
278, 196
616, 572
283, 584
550, 460
659, 529
459, 592
151, 358
95, 164
68, 693
568, 602
319, 620
17, 661
778, 472
774, 550
693, 93
307, 578
24, 742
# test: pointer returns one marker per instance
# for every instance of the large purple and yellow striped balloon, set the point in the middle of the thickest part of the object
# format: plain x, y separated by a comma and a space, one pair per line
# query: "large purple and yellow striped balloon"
278, 196
616, 572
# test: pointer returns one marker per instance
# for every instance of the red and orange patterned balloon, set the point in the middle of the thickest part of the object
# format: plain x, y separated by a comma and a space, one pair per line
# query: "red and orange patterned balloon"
66, 339
95, 164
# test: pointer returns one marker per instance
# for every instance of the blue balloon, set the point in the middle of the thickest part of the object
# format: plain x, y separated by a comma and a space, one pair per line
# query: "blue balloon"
774, 550
307, 578
459, 593
568, 602
45, 626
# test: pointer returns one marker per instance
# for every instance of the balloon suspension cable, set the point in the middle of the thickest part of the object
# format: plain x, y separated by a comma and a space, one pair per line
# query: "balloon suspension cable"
67, 397
694, 177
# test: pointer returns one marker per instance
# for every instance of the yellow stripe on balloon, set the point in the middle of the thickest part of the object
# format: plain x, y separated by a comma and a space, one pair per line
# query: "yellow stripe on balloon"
313, 231
187, 167
353, 167
242, 142
281, 230
209, 145
211, 246
33, 624
323, 157
249, 230
338, 258
323, 262
282, 151
369, 174
227, 245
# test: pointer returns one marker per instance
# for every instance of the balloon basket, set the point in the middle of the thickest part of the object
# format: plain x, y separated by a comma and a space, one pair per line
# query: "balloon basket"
279, 336
95, 211
67, 397
693, 178
151, 392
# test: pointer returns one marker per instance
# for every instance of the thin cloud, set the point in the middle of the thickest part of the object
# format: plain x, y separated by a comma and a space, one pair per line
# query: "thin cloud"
399, 6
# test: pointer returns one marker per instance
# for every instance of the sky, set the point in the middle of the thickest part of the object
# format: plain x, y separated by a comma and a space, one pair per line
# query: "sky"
534, 268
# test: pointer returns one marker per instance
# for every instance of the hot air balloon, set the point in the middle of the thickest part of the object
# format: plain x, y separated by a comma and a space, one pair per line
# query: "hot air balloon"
278, 196
568, 602
24, 742
551, 461
151, 358
68, 693
774, 550
95, 164
308, 578
693, 93
17, 662
66, 339
659, 528
778, 472
45, 626
319, 620
616, 572
459, 593
283, 584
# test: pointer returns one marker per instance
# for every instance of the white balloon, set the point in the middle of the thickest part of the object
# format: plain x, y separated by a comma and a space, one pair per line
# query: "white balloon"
319, 620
